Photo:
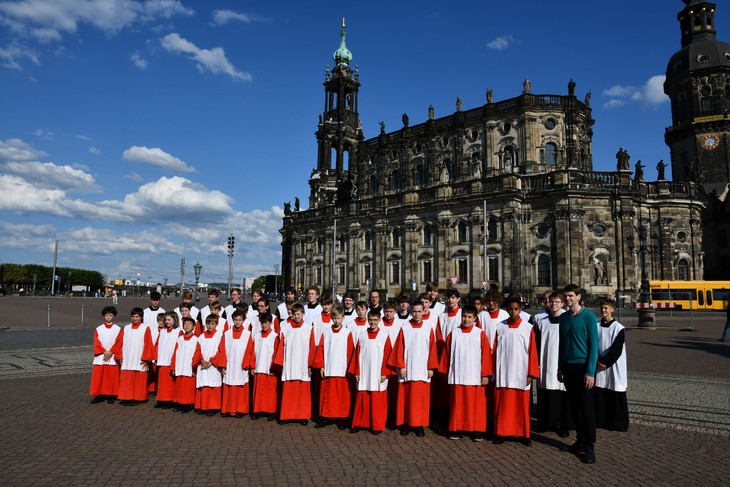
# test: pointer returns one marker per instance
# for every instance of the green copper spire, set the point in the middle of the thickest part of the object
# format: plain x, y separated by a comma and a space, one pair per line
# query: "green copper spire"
342, 55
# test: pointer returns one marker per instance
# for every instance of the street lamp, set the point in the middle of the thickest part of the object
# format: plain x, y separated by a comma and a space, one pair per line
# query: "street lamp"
197, 267
182, 275
276, 280
69, 282
231, 244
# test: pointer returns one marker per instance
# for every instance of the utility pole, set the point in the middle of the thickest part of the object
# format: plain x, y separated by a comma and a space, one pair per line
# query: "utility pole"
231, 245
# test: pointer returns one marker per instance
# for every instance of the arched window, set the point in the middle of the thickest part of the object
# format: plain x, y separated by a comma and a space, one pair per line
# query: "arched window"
368, 241
508, 158
550, 151
543, 270
396, 238
427, 235
451, 168
421, 175
374, 185
395, 180
492, 228
683, 270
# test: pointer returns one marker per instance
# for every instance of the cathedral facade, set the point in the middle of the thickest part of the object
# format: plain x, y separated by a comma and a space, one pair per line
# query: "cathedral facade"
503, 194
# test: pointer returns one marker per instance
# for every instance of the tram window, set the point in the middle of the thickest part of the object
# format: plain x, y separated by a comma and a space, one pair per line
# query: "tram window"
721, 294
701, 299
709, 297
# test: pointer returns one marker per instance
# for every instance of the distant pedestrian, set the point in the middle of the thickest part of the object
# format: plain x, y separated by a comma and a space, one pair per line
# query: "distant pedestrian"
115, 300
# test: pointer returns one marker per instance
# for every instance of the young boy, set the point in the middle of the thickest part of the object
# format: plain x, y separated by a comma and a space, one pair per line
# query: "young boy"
369, 366
437, 307
265, 383
152, 312
263, 305
553, 412
348, 301
332, 357
392, 326
359, 324
137, 353
213, 295
211, 362
281, 312
295, 355
375, 301
313, 308
187, 298
152, 374
429, 317
492, 315
323, 320
450, 318
467, 363
414, 357
166, 342
240, 357
403, 312
612, 410
516, 365
182, 362
107, 346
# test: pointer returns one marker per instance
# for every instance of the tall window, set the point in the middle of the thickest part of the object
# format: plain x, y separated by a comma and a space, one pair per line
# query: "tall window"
493, 268
463, 231
300, 271
320, 246
368, 241
365, 272
543, 270
341, 274
342, 243
492, 228
550, 151
374, 185
395, 238
426, 275
318, 274
421, 175
395, 180
462, 266
427, 237
395, 273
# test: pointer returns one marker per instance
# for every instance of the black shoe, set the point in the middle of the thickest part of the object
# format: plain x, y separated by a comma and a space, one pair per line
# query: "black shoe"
405, 432
420, 432
199, 411
322, 424
177, 409
255, 416
271, 417
304, 422
526, 441
589, 457
185, 410
110, 399
97, 400
376, 433
563, 433
240, 415
210, 413
125, 403
354, 430
476, 436
498, 440
341, 425
453, 435
575, 448
159, 405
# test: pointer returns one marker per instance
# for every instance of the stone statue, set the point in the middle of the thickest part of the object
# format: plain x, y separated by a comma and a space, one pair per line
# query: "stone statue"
296, 204
287, 208
526, 86
444, 173
382, 127
560, 157
430, 112
458, 104
639, 171
405, 120
661, 165
476, 169
599, 272
587, 101
489, 95
571, 87
622, 158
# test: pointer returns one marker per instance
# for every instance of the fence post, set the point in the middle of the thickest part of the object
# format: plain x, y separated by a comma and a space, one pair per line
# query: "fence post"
82, 316
49, 316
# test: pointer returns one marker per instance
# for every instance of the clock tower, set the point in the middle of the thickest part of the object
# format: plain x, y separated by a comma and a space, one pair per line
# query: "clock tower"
698, 84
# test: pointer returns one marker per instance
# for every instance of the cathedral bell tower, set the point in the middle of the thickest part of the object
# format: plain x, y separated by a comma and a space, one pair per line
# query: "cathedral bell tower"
698, 84
338, 133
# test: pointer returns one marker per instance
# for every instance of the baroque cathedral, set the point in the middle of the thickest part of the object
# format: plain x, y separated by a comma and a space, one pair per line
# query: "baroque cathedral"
504, 194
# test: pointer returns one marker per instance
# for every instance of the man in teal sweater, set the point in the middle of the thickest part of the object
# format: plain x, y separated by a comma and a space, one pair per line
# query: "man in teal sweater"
577, 358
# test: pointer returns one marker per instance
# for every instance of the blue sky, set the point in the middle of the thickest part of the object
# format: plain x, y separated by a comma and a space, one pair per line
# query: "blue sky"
138, 132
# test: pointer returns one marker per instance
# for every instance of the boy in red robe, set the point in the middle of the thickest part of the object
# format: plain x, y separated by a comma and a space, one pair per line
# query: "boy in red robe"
137, 353
239, 355
107, 345
295, 355
516, 365
467, 363
369, 366
164, 349
332, 357
211, 362
182, 367
265, 382
414, 356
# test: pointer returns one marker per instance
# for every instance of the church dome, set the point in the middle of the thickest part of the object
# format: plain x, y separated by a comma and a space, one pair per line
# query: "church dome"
699, 55
342, 55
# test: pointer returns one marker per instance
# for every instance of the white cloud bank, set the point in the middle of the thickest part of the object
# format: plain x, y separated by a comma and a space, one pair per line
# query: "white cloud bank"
156, 157
501, 43
213, 60
649, 95
223, 17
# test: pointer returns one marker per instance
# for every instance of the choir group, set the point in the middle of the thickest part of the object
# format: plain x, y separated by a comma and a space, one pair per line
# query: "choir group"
363, 365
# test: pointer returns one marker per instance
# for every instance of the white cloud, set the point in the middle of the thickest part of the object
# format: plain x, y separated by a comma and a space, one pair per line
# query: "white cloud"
649, 95
81, 167
133, 176
501, 43
43, 133
96, 241
14, 53
47, 175
48, 20
17, 150
156, 157
138, 60
213, 60
26, 237
223, 17
95, 150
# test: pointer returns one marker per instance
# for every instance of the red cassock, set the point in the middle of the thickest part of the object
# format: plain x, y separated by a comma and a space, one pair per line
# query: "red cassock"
369, 364
515, 360
137, 352
182, 366
265, 383
467, 358
105, 374
240, 356
414, 351
333, 355
164, 349
209, 382
295, 355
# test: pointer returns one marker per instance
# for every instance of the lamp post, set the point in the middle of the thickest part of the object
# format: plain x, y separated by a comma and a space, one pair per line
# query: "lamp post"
231, 245
276, 281
197, 267
182, 275
69, 282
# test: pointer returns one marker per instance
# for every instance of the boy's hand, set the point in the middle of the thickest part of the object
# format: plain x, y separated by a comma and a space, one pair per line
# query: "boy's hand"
402, 373
309, 371
485, 381
321, 372
588, 381
601, 366
560, 376
382, 378
529, 381
357, 378
430, 374
107, 356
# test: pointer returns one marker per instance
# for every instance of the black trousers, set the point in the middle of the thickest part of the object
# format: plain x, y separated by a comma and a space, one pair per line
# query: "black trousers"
582, 404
